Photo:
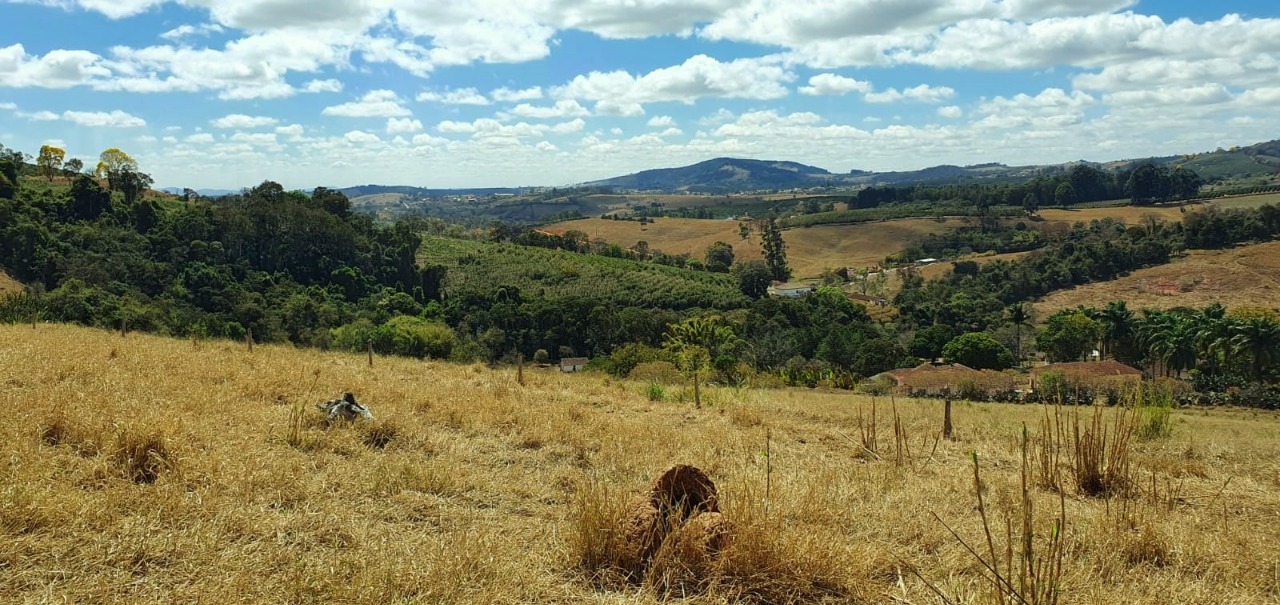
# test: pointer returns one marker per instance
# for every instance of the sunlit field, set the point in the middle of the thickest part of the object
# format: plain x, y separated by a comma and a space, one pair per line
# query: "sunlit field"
147, 470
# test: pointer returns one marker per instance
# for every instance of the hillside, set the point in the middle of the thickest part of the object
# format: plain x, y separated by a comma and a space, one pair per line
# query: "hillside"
472, 489
809, 251
721, 175
8, 284
481, 268
1248, 275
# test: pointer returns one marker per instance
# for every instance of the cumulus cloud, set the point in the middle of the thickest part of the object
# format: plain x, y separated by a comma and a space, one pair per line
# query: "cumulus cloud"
241, 121
619, 92
923, 93
950, 111
374, 104
191, 31
318, 86
103, 119
55, 69
833, 84
403, 125
567, 108
459, 96
574, 125
661, 122
38, 116
507, 95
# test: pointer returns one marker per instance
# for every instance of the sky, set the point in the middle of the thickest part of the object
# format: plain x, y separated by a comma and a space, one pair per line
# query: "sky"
507, 93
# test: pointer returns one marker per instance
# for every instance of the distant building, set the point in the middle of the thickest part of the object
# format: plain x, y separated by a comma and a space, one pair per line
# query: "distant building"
573, 364
926, 261
792, 290
878, 301
1088, 370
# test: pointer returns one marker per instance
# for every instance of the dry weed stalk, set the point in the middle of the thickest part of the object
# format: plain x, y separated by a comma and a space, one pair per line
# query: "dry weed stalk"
1031, 574
1101, 460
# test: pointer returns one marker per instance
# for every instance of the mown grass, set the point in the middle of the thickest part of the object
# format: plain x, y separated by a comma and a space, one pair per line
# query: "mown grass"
471, 489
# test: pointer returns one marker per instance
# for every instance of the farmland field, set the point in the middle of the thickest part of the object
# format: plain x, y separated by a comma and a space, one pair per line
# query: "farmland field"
809, 250
148, 470
1249, 275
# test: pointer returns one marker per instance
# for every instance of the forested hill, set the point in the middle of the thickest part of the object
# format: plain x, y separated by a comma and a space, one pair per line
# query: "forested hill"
722, 175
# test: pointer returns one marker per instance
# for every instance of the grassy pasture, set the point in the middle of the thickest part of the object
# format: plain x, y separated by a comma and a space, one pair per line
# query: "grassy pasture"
809, 250
146, 470
1248, 275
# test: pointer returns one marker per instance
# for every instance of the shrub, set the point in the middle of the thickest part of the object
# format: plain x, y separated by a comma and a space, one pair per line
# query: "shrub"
661, 372
541, 356
414, 337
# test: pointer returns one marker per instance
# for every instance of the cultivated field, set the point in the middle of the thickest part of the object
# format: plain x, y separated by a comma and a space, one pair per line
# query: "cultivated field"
145, 470
809, 251
1249, 275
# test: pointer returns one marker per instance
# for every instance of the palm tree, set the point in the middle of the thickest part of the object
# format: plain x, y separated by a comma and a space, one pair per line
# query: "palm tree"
1019, 315
1260, 338
699, 342
1214, 335
1172, 338
1117, 326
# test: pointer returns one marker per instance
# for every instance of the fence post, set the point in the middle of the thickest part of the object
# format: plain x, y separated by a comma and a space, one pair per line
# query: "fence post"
371, 353
520, 369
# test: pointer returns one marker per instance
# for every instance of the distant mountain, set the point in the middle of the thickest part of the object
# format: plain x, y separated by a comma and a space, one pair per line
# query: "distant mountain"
202, 192
722, 175
363, 190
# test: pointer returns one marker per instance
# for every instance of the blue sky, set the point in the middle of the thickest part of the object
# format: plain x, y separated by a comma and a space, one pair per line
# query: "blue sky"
227, 93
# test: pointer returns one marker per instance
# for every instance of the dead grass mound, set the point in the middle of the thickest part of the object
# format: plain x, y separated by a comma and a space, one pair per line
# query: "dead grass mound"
142, 455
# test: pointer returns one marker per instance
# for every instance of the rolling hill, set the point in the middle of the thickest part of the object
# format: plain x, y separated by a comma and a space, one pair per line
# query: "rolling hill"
722, 175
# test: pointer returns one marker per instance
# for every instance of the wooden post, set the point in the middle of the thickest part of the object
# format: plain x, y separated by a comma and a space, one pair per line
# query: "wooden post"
768, 468
946, 418
124, 327
520, 369
697, 395
248, 337
371, 353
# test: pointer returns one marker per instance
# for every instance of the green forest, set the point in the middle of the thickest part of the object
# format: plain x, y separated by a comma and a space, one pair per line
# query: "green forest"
273, 265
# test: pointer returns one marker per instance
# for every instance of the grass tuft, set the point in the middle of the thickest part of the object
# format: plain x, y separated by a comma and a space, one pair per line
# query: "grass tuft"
142, 455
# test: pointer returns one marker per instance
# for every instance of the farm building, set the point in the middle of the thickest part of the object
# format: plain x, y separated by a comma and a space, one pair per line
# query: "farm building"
792, 290
929, 379
573, 364
878, 301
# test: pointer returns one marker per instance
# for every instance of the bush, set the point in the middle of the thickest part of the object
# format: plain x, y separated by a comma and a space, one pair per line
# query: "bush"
661, 372
979, 351
541, 356
414, 337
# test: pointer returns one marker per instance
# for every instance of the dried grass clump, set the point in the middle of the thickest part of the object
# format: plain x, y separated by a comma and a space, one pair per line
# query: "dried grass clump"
142, 455
380, 433
675, 541
58, 429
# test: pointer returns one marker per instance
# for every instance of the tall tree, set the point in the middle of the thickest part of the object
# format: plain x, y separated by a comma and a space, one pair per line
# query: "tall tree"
1259, 338
775, 250
112, 165
1117, 327
50, 161
1019, 316
719, 257
74, 165
132, 184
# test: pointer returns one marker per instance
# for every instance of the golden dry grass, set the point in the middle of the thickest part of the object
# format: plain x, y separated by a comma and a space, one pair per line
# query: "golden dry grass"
8, 284
482, 489
809, 251
1248, 275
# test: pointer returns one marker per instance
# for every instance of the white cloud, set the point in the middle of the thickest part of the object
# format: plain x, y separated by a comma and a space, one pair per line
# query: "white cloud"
360, 137
950, 111
318, 86
491, 128
55, 69
566, 108
255, 139
459, 96
189, 31
661, 122
292, 130
8, 106
546, 146
671, 132
374, 104
403, 125
102, 119
240, 121
620, 92
833, 84
38, 116
574, 125
507, 95
200, 138
923, 93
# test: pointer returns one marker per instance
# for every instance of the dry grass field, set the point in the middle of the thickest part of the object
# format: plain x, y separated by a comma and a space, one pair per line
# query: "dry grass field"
1249, 275
143, 470
8, 284
809, 251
